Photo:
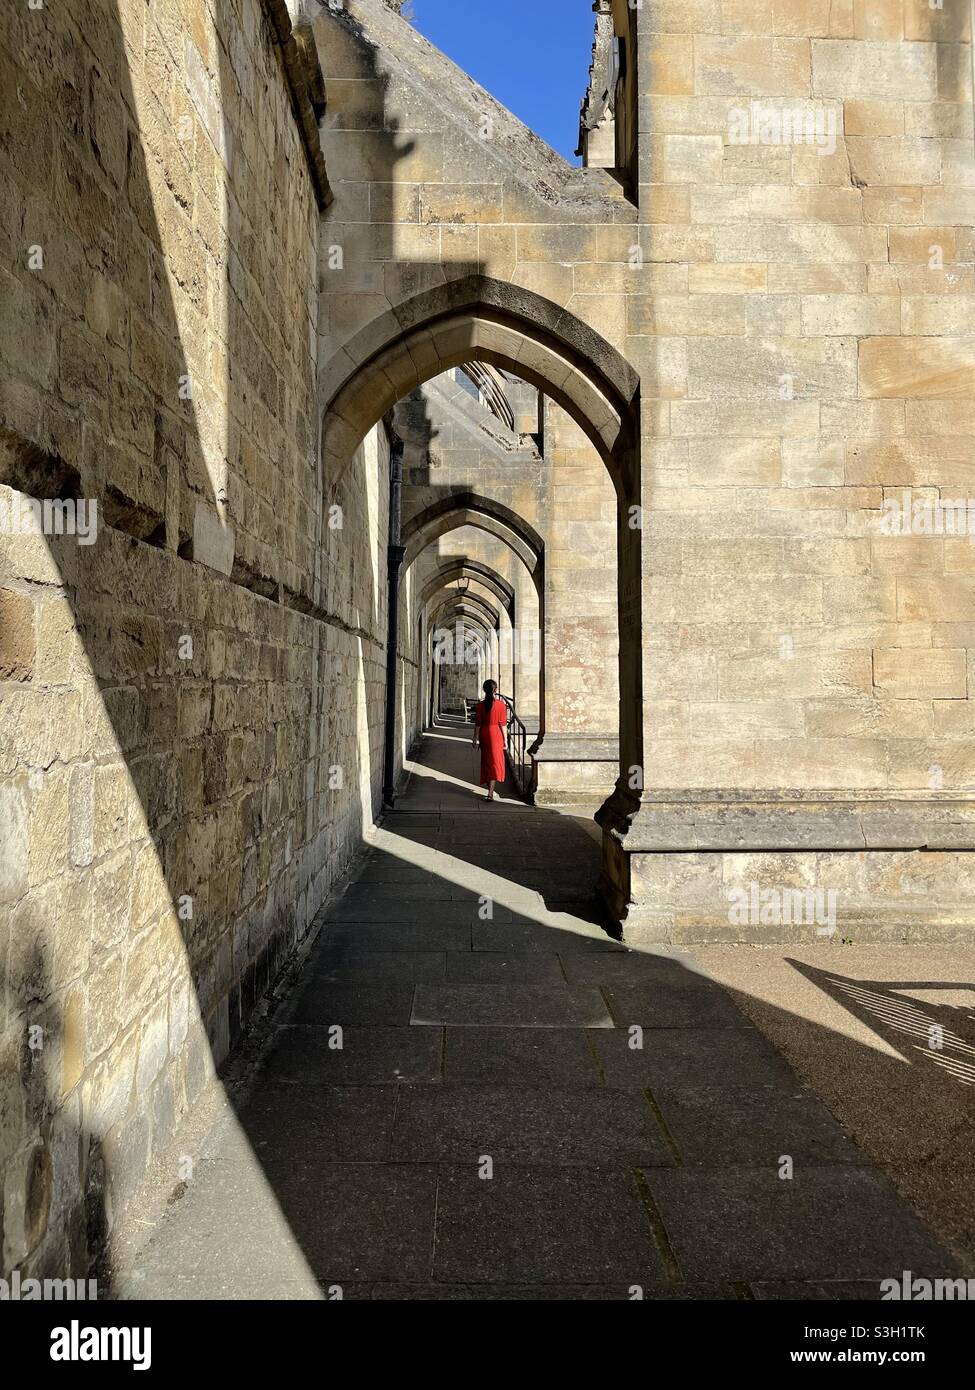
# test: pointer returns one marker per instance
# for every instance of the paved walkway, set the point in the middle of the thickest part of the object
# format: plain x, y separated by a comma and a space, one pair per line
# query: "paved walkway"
474, 1092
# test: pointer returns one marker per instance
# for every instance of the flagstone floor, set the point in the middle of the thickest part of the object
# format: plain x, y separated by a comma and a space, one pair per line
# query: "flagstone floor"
474, 1092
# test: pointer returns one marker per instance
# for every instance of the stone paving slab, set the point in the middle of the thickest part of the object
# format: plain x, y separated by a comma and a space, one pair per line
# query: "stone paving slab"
337, 1222
690, 1057
303, 1055
398, 936
821, 1291
325, 1004
852, 1020
228, 1221
636, 968
520, 1057
361, 1221
458, 1124
672, 1006
394, 895
534, 936
458, 913
544, 1225
495, 967
510, 1006
751, 1125
346, 1124
382, 869
824, 1223
348, 965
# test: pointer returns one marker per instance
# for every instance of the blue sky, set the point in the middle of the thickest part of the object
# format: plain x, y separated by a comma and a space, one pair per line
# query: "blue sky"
533, 55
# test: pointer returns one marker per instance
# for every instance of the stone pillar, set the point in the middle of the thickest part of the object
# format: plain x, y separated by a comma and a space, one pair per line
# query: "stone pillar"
577, 754
527, 639
803, 663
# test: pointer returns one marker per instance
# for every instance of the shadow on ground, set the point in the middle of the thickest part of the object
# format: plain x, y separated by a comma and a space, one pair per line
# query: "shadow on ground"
473, 1092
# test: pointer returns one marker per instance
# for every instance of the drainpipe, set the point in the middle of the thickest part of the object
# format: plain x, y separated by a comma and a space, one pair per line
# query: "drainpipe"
394, 562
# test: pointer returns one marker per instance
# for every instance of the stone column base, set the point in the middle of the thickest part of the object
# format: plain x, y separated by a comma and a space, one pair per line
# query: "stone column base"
574, 768
786, 869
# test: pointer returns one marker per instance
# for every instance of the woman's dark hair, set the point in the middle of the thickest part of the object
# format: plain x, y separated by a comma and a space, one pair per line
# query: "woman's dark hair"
489, 688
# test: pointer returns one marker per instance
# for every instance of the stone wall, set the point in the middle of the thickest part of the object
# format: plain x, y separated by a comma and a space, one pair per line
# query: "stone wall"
190, 735
800, 321
192, 704
802, 331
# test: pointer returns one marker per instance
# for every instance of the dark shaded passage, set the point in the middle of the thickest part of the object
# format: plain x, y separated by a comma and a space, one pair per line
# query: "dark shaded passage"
474, 1092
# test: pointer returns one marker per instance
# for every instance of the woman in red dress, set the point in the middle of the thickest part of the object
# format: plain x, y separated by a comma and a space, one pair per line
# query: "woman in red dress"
490, 719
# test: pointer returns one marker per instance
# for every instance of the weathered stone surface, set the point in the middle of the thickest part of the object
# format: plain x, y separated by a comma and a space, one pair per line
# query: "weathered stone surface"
747, 352
17, 643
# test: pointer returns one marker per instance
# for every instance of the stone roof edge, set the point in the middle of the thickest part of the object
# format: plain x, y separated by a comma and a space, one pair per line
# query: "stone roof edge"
290, 22
477, 417
532, 161
597, 99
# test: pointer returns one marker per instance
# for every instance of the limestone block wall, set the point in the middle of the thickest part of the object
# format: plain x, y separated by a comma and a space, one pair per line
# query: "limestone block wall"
190, 741
454, 445
460, 681
803, 329
434, 180
577, 515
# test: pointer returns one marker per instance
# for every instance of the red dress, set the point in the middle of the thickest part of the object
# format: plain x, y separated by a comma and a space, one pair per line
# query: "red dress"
492, 724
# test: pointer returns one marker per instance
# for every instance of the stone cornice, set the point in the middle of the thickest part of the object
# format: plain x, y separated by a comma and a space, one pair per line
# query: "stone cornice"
848, 821
290, 22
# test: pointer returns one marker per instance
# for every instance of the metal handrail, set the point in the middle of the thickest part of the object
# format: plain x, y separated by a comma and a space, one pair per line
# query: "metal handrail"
520, 765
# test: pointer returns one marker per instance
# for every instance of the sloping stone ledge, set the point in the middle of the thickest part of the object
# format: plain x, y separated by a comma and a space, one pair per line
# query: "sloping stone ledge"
576, 748
291, 22
867, 821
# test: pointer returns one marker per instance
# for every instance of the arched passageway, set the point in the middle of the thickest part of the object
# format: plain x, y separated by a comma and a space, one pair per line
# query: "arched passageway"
468, 509
478, 318
521, 661
478, 572
491, 321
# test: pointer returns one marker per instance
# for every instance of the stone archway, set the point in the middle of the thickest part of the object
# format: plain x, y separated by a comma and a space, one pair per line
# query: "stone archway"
459, 510
469, 509
476, 570
494, 594
483, 319
471, 605
471, 623
480, 318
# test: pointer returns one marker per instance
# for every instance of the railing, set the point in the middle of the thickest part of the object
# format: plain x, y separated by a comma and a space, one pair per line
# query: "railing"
521, 768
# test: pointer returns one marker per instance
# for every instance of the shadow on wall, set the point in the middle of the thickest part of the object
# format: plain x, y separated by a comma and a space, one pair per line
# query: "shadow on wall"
191, 756
171, 821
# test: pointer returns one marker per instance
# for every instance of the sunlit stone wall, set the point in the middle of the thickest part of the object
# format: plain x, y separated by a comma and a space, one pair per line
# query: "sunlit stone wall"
190, 718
